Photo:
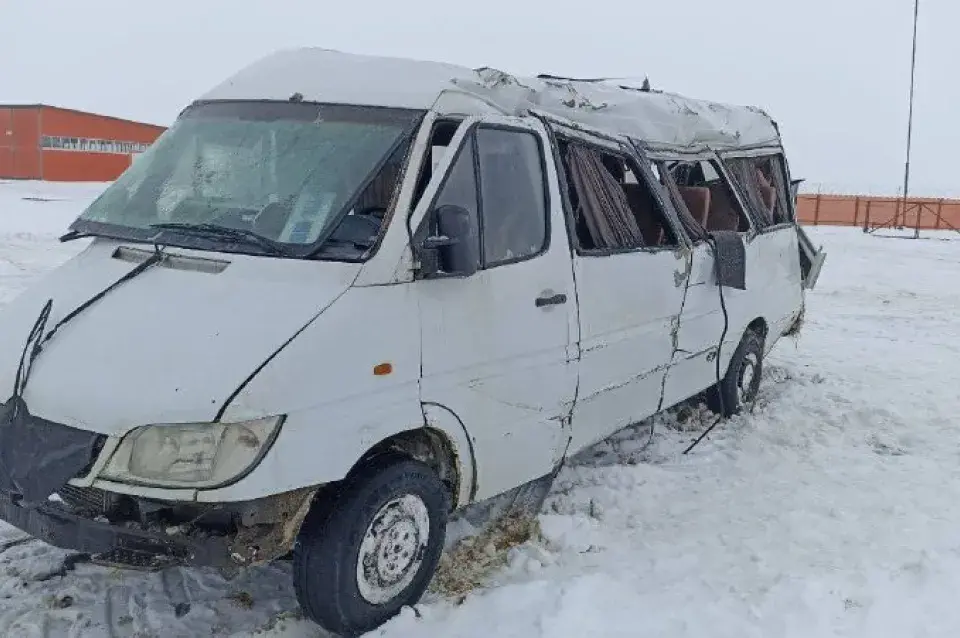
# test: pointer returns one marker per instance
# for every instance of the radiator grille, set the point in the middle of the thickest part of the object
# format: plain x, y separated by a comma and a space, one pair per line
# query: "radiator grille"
87, 499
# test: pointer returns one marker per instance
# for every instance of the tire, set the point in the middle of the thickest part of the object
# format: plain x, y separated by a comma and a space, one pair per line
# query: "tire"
740, 385
407, 501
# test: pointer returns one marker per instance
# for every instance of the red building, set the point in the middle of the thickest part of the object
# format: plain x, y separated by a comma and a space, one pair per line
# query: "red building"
62, 145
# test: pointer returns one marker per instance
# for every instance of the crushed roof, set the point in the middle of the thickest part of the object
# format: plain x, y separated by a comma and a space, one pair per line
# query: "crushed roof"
652, 117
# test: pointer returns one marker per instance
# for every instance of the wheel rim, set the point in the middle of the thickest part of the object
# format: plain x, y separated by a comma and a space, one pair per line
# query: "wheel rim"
746, 386
392, 549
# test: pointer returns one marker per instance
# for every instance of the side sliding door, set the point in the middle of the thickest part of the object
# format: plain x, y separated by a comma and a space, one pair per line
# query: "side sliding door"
628, 260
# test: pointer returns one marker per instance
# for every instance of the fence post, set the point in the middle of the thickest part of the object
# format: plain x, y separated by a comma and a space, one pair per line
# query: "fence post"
816, 211
856, 211
866, 216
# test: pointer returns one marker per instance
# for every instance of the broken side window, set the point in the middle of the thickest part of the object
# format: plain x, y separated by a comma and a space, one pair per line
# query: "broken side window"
761, 181
688, 203
613, 204
707, 195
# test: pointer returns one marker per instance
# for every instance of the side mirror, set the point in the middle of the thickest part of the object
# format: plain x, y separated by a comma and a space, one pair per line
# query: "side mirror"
453, 249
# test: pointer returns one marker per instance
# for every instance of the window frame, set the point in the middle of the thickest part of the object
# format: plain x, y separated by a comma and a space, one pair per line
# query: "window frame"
785, 176
635, 159
470, 136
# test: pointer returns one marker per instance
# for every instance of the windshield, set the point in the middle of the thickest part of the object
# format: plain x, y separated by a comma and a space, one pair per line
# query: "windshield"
282, 171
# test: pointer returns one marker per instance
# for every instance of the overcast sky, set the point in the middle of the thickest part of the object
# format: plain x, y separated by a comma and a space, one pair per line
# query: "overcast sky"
833, 73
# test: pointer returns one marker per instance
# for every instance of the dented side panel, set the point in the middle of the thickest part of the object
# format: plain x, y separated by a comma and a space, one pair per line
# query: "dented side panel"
698, 330
773, 295
628, 305
784, 297
773, 291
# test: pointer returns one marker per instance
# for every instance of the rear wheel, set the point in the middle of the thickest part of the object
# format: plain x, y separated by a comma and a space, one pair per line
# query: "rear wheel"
739, 387
372, 548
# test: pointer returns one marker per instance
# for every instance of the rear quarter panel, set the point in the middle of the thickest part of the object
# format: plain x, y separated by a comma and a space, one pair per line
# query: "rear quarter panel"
774, 289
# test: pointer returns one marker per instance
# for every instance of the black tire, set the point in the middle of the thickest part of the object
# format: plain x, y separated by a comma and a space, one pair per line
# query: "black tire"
747, 359
327, 551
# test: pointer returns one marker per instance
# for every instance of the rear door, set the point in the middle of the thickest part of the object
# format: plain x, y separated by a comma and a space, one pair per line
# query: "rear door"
499, 345
811, 258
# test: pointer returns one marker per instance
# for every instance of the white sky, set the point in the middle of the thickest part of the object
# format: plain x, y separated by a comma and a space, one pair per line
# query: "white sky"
833, 73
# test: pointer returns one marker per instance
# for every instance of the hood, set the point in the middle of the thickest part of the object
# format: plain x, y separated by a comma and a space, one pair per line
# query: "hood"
168, 346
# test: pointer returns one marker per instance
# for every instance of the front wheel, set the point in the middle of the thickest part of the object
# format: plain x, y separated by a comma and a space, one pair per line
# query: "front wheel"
372, 548
739, 387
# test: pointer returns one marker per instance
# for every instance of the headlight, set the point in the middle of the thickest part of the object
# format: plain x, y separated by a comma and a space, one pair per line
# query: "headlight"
191, 454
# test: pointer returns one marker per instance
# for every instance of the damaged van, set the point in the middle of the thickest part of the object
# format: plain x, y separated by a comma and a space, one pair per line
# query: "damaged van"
343, 297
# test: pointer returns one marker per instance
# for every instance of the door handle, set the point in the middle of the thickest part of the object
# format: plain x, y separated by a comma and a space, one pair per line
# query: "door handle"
555, 300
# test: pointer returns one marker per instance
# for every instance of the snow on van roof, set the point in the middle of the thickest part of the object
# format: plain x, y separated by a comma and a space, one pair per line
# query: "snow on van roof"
656, 118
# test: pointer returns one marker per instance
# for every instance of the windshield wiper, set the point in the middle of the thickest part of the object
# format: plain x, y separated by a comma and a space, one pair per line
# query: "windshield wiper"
225, 232
72, 235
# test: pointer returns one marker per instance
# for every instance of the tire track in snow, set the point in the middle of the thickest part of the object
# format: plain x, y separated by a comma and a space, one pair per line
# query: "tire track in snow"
175, 589
123, 610
14, 542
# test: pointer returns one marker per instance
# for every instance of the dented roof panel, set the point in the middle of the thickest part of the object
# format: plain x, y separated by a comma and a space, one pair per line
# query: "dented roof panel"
656, 118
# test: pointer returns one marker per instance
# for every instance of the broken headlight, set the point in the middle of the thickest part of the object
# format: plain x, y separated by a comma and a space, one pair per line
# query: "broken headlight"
191, 455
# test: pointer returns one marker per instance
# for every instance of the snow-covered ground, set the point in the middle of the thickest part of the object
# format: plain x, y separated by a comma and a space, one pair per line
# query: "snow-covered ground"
832, 510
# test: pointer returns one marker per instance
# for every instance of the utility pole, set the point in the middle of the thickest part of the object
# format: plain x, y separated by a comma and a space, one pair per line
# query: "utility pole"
906, 170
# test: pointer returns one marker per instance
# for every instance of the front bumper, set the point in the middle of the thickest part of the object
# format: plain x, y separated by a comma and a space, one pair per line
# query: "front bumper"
115, 543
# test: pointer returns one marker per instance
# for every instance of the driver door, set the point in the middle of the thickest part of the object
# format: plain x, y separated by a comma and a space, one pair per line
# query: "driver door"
498, 344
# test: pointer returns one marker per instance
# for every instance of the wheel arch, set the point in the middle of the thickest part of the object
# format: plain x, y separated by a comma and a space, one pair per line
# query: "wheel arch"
442, 443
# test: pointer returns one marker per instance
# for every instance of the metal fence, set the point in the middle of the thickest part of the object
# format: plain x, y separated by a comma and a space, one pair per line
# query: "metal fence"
872, 212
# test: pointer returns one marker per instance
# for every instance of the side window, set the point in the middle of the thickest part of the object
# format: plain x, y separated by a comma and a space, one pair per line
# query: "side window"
761, 181
614, 207
706, 196
512, 194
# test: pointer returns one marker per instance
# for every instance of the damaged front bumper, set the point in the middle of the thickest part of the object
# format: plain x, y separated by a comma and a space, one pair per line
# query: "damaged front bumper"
55, 525
40, 458
245, 533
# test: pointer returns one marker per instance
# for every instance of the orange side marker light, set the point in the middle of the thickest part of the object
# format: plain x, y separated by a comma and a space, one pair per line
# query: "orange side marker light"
382, 369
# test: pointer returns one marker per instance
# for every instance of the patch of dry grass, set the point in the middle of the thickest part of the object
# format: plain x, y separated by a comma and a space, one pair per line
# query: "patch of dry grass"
468, 564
